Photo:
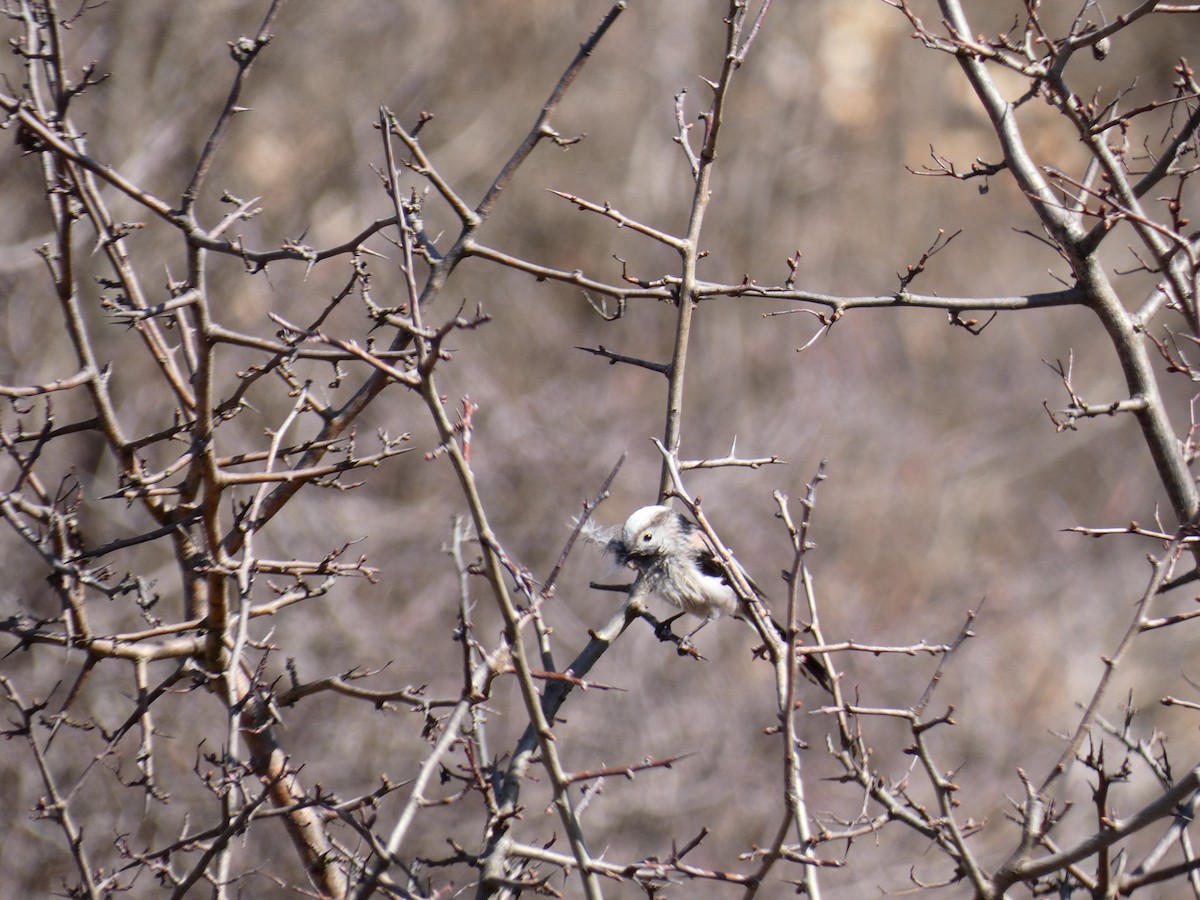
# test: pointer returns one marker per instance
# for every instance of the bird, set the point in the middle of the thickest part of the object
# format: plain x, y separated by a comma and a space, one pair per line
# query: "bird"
675, 561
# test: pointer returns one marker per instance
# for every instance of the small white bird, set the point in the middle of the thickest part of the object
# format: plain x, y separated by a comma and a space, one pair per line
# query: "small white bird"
675, 561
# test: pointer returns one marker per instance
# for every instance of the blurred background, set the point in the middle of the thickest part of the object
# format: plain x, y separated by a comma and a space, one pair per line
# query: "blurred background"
947, 486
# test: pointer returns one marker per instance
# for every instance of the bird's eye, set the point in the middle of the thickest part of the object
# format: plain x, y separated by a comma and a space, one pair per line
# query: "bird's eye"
646, 538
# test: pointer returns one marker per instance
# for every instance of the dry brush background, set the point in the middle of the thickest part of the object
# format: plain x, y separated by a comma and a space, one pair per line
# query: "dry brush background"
947, 483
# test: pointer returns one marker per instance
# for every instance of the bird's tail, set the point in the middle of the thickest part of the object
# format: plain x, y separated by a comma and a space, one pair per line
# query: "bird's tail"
811, 667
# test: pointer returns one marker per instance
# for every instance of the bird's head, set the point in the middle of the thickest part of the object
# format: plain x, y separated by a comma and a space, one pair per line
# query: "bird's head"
651, 531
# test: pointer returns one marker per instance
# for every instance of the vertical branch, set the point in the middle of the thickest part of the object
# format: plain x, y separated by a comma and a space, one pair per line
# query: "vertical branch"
1158, 433
789, 667
541, 127
441, 267
689, 251
494, 571
1130, 348
244, 51
206, 472
1111, 662
429, 767
1003, 115
246, 711
55, 804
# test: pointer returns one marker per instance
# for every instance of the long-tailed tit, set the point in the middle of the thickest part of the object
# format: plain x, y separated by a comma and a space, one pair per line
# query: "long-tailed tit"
675, 561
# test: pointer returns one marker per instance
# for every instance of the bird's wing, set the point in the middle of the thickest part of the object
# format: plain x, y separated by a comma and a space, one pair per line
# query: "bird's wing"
710, 564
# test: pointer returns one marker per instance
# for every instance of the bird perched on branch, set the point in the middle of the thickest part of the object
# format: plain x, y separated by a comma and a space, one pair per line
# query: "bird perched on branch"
675, 561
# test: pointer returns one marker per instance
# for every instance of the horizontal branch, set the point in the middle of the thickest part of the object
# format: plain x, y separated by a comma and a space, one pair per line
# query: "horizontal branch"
877, 649
135, 314
638, 872
144, 538
624, 221
624, 771
196, 235
614, 358
1114, 830
1093, 410
223, 335
582, 683
731, 459
1167, 621
298, 568
314, 472
343, 685
725, 461
104, 647
1069, 297
144, 645
1132, 528
62, 384
574, 277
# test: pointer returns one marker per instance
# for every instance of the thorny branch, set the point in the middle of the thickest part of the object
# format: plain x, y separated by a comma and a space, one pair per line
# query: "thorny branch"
205, 519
